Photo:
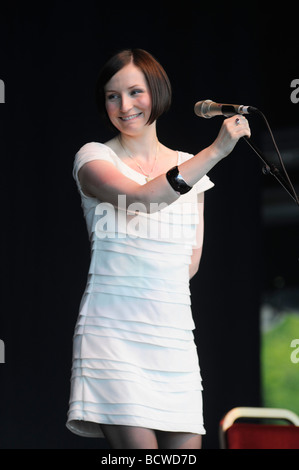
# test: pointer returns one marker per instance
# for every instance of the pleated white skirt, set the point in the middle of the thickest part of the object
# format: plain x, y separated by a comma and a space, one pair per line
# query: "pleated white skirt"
135, 361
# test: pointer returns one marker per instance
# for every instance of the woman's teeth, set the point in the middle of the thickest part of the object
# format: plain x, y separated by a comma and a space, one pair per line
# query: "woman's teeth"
128, 118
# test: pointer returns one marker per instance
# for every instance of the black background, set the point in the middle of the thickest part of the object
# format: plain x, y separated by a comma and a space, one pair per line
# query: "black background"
50, 56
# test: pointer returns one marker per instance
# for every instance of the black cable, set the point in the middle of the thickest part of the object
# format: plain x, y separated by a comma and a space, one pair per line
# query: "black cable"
278, 153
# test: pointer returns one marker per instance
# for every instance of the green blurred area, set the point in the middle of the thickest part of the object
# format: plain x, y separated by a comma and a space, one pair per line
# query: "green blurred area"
279, 375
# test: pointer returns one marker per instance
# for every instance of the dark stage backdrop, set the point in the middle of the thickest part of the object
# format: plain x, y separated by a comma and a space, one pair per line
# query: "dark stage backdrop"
50, 56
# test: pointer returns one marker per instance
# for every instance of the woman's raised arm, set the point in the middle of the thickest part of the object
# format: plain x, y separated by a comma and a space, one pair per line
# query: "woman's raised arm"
103, 180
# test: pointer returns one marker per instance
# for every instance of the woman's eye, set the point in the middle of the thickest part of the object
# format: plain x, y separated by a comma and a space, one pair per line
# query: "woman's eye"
112, 97
136, 92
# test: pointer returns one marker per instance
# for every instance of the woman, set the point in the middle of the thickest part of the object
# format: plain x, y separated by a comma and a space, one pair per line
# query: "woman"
136, 378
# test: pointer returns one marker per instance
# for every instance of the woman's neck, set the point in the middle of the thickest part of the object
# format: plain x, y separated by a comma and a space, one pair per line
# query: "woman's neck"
142, 145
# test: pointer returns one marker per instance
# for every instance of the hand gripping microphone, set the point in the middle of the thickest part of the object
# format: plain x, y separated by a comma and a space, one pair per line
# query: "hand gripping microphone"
209, 109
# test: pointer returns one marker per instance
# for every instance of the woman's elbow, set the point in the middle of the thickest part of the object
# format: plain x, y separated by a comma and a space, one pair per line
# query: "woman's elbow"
195, 261
193, 269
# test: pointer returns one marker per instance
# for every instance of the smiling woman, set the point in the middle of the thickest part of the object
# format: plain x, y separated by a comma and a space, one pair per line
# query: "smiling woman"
136, 376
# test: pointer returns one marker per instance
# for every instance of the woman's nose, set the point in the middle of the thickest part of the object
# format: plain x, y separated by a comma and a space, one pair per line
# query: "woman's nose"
125, 104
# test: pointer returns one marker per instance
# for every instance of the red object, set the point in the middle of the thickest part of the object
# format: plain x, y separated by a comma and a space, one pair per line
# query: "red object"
262, 436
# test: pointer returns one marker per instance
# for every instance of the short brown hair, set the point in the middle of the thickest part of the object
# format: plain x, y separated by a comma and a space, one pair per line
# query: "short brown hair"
155, 75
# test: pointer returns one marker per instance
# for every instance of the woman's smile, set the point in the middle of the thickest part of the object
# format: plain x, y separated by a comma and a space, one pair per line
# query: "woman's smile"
130, 117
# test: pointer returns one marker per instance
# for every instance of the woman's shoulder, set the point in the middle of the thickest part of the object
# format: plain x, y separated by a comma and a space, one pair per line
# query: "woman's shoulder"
94, 151
95, 147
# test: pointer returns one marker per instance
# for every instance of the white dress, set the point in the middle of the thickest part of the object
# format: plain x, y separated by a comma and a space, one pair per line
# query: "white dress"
135, 362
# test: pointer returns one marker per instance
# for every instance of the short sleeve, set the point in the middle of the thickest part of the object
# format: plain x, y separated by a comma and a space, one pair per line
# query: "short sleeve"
204, 183
89, 152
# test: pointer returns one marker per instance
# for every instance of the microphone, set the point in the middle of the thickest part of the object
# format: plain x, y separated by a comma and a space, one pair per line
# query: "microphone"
208, 109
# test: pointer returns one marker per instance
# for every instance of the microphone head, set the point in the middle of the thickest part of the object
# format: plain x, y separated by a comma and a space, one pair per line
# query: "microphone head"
201, 108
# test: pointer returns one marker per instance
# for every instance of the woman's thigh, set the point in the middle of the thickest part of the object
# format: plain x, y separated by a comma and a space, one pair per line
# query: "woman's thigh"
129, 437
178, 440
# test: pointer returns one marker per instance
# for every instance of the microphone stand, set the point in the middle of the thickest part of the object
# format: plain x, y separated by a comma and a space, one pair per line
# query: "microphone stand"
230, 110
271, 169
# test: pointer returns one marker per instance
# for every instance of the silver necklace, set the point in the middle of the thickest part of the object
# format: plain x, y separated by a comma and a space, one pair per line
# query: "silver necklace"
147, 175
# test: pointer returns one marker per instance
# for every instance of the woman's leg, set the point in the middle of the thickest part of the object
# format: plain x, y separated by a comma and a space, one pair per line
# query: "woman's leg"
178, 440
129, 437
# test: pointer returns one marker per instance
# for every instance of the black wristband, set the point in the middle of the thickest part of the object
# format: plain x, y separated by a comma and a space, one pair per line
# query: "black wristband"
176, 181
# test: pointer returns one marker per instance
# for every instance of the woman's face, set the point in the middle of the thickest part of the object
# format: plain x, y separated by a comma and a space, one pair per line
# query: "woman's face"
128, 100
